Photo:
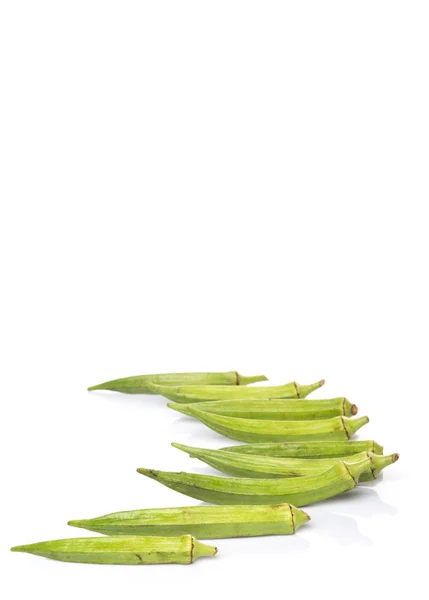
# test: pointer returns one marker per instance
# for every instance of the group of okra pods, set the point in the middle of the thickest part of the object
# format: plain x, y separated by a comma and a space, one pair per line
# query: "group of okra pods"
297, 452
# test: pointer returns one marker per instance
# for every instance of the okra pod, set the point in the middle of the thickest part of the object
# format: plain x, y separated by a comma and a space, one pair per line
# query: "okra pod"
263, 467
253, 430
122, 550
140, 384
297, 491
280, 409
205, 522
187, 394
319, 449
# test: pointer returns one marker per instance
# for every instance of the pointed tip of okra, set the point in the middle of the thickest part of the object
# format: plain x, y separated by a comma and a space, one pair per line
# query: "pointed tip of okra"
18, 549
100, 386
187, 449
299, 517
82, 523
152, 473
182, 408
304, 390
352, 425
354, 409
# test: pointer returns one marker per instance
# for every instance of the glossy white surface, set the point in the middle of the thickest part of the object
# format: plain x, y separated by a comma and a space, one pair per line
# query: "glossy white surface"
211, 186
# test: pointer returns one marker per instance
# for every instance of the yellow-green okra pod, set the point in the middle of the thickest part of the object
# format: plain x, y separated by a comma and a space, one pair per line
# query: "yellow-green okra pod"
307, 449
297, 491
262, 467
205, 522
122, 550
203, 393
279, 409
140, 384
253, 430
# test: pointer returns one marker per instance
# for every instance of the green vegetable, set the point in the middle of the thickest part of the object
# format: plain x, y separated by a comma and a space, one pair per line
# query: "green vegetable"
140, 384
122, 550
206, 522
297, 491
187, 394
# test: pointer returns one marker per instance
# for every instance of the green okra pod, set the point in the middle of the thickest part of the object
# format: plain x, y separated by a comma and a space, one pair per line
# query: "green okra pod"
310, 449
122, 550
279, 409
140, 384
205, 522
253, 430
188, 394
298, 491
263, 467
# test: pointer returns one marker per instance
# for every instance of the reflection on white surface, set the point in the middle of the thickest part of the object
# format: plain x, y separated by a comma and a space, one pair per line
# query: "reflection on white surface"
340, 528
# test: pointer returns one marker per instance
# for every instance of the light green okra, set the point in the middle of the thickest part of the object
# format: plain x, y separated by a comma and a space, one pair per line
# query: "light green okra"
122, 550
140, 384
253, 430
308, 449
204, 393
262, 467
298, 491
205, 522
279, 409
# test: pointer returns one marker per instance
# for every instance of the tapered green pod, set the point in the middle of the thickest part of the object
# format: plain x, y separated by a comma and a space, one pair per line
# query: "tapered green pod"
188, 394
122, 550
206, 522
297, 491
263, 467
140, 384
280, 409
310, 449
252, 430
379, 463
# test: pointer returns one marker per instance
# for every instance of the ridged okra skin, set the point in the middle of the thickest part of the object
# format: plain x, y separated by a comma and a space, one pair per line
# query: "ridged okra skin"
204, 393
205, 522
254, 430
310, 449
298, 491
122, 550
140, 384
281, 409
262, 467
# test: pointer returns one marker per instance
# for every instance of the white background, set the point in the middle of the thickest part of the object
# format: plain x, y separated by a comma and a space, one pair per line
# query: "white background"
210, 186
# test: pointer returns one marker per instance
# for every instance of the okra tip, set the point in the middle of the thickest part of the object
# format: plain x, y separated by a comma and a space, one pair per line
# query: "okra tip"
182, 447
182, 408
354, 409
304, 390
78, 523
152, 473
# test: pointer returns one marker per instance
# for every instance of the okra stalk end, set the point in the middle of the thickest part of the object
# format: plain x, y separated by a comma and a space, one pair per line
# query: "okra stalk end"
199, 549
352, 425
299, 517
304, 390
245, 380
382, 461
